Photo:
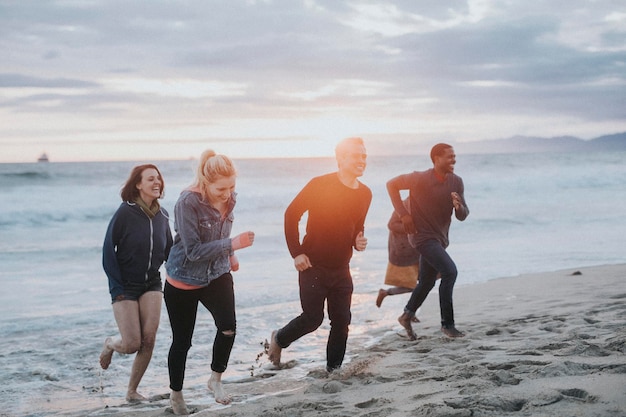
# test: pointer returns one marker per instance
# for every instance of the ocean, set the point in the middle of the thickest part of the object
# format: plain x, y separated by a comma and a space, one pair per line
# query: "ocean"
528, 213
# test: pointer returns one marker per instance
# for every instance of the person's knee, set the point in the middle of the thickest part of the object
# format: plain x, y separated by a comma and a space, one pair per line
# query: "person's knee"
180, 345
130, 346
227, 327
312, 322
341, 321
148, 342
449, 273
425, 284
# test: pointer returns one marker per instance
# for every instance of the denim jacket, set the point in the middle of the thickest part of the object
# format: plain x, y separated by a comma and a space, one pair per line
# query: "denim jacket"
202, 245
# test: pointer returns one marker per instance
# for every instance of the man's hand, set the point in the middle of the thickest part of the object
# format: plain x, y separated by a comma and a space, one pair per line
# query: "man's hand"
409, 226
302, 262
360, 243
456, 201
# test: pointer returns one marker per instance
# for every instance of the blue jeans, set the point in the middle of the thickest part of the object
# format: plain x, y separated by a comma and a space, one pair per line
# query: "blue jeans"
433, 260
317, 285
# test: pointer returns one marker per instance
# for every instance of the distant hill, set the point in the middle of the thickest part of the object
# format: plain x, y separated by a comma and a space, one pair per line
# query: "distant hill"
615, 142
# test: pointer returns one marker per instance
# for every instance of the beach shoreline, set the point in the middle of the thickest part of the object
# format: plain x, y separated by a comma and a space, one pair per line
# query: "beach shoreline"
548, 344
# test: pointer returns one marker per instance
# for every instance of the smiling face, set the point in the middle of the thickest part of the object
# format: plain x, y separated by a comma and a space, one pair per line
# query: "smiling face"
150, 187
444, 163
220, 190
352, 160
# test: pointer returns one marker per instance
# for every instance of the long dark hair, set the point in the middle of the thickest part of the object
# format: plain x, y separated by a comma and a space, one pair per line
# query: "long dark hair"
129, 190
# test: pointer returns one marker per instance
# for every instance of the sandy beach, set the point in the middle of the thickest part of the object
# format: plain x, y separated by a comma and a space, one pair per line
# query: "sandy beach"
549, 344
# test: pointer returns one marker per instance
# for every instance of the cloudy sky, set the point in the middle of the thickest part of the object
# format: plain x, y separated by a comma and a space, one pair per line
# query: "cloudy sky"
156, 79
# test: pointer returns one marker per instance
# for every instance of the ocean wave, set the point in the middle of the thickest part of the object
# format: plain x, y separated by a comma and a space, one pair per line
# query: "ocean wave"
37, 219
26, 175
17, 179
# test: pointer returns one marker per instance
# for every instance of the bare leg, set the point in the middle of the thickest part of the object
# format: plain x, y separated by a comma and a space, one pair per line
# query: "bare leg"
177, 402
217, 388
126, 315
382, 293
149, 315
405, 320
274, 350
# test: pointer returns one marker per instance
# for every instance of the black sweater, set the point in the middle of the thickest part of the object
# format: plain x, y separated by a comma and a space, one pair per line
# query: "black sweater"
336, 215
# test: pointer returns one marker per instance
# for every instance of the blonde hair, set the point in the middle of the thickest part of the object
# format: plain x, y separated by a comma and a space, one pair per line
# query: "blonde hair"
343, 146
211, 168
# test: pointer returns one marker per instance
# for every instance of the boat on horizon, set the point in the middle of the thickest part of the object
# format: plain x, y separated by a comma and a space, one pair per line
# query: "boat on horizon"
43, 158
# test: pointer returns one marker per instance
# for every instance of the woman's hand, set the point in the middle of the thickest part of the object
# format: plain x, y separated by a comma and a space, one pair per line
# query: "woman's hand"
409, 226
242, 240
234, 263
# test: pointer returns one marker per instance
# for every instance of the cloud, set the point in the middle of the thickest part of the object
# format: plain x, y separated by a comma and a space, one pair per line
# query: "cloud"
24, 81
187, 88
92, 69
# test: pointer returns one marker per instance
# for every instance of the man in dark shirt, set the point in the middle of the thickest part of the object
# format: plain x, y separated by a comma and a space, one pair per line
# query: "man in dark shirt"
337, 204
434, 194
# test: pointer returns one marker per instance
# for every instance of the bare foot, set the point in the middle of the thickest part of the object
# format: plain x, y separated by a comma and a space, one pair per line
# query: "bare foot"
106, 354
217, 388
415, 319
135, 397
381, 296
177, 402
274, 351
452, 332
405, 321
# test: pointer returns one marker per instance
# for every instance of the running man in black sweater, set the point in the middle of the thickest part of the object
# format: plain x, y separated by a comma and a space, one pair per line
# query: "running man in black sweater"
337, 204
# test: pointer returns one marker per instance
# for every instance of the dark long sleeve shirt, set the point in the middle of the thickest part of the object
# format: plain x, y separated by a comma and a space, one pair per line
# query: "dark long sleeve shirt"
336, 215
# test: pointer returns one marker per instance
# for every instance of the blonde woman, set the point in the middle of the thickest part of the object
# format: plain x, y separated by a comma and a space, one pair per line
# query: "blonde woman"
198, 271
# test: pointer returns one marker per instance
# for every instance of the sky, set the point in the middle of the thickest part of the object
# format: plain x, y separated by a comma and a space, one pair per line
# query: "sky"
148, 80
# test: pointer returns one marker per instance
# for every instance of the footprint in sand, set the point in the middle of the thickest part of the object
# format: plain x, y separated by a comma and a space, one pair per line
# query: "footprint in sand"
374, 402
578, 394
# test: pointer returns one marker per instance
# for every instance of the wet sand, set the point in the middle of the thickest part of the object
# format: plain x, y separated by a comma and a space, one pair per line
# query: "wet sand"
548, 344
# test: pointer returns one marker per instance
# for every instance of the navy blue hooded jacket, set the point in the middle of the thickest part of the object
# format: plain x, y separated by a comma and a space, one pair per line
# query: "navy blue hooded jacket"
135, 246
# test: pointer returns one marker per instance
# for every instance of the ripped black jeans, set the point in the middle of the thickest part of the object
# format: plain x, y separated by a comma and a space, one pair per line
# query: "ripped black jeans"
182, 307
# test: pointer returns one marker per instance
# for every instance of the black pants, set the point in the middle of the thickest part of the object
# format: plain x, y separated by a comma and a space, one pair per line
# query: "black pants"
317, 285
182, 307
